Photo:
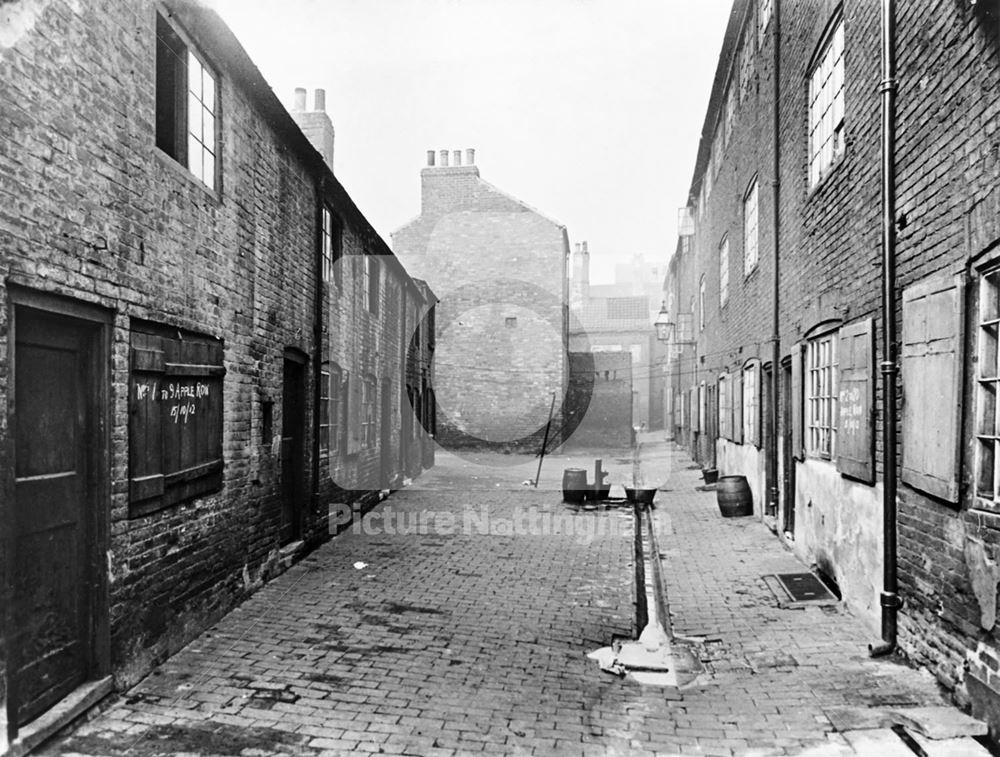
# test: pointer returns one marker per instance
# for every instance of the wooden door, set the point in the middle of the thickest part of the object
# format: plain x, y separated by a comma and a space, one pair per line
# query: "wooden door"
386, 457
767, 437
293, 425
788, 420
54, 419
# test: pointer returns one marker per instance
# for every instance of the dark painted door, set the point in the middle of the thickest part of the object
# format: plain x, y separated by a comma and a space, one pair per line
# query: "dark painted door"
767, 435
787, 453
293, 424
387, 459
54, 385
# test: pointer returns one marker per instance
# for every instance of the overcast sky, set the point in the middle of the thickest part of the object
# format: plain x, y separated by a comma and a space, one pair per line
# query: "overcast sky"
588, 110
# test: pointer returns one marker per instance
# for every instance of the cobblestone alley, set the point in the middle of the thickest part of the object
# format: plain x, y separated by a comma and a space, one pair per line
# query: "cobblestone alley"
458, 621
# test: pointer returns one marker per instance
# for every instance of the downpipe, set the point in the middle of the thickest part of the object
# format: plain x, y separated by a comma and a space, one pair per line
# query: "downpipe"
889, 598
772, 505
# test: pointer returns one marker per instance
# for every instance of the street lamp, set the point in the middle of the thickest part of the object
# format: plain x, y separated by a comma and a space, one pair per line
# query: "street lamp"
663, 325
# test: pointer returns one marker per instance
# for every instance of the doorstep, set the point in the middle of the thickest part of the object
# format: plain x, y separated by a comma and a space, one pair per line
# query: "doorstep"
46, 725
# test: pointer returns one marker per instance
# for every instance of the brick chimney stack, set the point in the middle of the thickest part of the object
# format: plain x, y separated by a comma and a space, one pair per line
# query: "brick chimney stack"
579, 284
315, 123
446, 183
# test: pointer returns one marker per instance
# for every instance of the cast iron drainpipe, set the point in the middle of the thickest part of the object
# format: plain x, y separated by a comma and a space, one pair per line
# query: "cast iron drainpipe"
889, 598
775, 315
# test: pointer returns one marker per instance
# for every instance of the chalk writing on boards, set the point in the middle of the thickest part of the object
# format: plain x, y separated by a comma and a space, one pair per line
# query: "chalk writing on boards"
852, 409
181, 399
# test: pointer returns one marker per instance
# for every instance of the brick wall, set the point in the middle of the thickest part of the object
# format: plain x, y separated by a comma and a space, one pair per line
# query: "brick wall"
947, 164
498, 268
103, 217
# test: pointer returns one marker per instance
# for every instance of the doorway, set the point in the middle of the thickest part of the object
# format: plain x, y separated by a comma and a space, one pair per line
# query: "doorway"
293, 458
787, 453
58, 536
767, 427
385, 432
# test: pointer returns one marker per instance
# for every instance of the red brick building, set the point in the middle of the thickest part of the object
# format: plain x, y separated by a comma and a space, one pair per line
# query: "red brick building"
789, 171
498, 267
207, 354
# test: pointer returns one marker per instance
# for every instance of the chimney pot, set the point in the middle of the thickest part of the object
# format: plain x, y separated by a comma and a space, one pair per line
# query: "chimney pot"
430, 157
300, 98
319, 100
457, 157
444, 159
584, 248
470, 157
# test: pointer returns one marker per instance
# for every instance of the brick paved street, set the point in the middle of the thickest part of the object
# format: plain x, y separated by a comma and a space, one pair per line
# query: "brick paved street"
469, 633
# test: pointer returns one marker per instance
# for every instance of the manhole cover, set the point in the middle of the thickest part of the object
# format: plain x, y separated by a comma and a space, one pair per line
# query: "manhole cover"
799, 589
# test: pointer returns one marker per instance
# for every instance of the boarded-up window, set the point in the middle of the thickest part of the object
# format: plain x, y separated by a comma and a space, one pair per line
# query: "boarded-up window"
856, 393
932, 390
175, 417
751, 404
725, 407
737, 390
354, 429
368, 398
703, 408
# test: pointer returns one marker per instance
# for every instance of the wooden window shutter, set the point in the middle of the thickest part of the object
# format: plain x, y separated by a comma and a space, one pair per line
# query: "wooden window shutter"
797, 402
754, 409
175, 419
693, 401
354, 410
855, 401
145, 437
724, 413
703, 407
931, 365
738, 407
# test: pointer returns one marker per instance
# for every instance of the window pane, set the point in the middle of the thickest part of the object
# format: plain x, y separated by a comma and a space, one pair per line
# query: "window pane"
194, 157
208, 134
194, 117
208, 90
194, 74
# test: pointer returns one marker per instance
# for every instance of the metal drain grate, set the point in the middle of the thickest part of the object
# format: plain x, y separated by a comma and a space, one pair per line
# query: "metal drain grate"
804, 587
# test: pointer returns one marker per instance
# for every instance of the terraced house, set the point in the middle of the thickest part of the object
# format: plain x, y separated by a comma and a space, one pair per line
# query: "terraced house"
848, 168
205, 347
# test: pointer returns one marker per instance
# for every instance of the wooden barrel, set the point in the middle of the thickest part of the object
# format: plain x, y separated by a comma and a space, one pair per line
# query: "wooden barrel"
734, 496
575, 486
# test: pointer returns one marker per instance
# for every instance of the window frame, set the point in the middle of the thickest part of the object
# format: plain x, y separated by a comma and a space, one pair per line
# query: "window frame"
331, 247
701, 303
173, 135
985, 354
724, 271
763, 20
751, 261
820, 385
324, 409
821, 163
370, 283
